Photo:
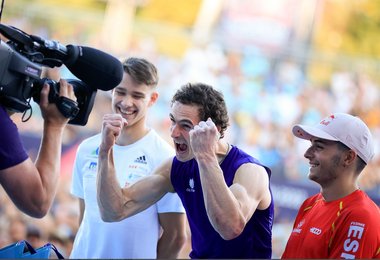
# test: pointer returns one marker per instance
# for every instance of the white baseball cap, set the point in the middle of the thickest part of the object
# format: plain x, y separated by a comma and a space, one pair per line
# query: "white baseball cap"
347, 129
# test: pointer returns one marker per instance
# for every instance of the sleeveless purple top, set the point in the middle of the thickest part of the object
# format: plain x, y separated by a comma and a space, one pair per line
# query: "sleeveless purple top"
12, 151
256, 239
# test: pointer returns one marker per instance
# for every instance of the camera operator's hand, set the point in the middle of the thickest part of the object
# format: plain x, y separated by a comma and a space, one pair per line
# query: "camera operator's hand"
52, 116
32, 186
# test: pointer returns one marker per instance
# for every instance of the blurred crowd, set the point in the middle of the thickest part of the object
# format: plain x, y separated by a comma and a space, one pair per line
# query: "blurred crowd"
265, 96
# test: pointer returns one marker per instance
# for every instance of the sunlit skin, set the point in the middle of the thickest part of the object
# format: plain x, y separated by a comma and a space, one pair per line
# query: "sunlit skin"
127, 125
324, 160
132, 101
228, 208
38, 181
332, 168
183, 119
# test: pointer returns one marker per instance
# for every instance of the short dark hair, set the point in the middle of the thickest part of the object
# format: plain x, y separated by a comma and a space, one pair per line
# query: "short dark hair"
360, 162
210, 102
141, 71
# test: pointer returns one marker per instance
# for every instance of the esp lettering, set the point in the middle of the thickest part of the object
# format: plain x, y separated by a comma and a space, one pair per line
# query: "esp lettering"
351, 244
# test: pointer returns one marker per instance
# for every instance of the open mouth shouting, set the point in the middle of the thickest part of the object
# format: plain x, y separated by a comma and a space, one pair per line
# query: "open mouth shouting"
181, 148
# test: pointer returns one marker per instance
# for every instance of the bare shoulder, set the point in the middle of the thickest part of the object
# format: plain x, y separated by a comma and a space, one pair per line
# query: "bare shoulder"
163, 171
252, 172
255, 181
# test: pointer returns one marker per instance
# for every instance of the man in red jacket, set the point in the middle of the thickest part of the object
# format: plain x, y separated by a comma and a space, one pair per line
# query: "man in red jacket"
341, 221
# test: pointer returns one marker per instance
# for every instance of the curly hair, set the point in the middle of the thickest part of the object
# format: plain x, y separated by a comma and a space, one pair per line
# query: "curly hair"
210, 103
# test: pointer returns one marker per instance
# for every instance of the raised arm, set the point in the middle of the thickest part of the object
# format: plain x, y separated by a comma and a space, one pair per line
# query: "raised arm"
228, 208
117, 203
32, 186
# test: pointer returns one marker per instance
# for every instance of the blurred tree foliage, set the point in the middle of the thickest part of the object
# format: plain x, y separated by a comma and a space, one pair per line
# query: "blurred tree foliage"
346, 36
363, 29
169, 22
345, 32
183, 12
351, 27
70, 21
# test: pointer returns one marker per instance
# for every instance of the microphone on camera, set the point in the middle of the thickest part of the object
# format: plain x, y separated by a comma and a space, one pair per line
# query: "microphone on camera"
94, 67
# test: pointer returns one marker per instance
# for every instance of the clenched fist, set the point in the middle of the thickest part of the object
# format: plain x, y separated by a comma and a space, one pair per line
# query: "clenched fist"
204, 138
111, 129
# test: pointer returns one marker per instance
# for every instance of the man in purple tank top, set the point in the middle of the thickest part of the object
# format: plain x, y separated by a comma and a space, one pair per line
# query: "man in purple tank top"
226, 192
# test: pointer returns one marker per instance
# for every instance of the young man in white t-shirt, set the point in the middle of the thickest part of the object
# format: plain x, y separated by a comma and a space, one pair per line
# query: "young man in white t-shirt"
156, 232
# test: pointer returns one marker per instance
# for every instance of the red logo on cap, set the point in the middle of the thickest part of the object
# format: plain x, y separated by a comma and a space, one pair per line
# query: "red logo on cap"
327, 120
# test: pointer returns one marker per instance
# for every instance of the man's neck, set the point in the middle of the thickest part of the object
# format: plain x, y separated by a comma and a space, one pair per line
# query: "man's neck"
335, 192
223, 150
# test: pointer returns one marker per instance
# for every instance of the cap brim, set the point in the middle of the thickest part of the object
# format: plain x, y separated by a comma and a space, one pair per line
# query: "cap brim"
307, 132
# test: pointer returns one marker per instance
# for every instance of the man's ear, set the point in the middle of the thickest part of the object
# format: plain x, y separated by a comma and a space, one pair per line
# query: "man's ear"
153, 98
349, 158
219, 129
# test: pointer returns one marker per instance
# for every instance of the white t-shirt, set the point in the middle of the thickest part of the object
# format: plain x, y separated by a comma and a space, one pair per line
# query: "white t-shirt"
133, 237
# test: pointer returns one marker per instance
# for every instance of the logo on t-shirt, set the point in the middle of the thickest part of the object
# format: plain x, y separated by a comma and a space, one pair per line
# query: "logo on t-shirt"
92, 166
94, 153
352, 243
141, 159
191, 186
134, 176
315, 231
298, 229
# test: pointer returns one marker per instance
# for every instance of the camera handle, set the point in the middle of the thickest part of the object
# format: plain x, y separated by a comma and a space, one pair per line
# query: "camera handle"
68, 107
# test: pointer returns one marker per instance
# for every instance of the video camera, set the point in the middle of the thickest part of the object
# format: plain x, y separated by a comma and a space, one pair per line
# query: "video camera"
21, 61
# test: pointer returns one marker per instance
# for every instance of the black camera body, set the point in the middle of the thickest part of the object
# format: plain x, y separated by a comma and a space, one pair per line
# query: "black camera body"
17, 78
78, 111
21, 61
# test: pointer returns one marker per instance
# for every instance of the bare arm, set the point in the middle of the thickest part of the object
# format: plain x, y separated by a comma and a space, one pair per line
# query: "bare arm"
116, 203
173, 237
228, 208
32, 187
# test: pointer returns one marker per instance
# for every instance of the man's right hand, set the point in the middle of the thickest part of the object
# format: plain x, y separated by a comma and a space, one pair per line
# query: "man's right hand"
111, 129
50, 113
